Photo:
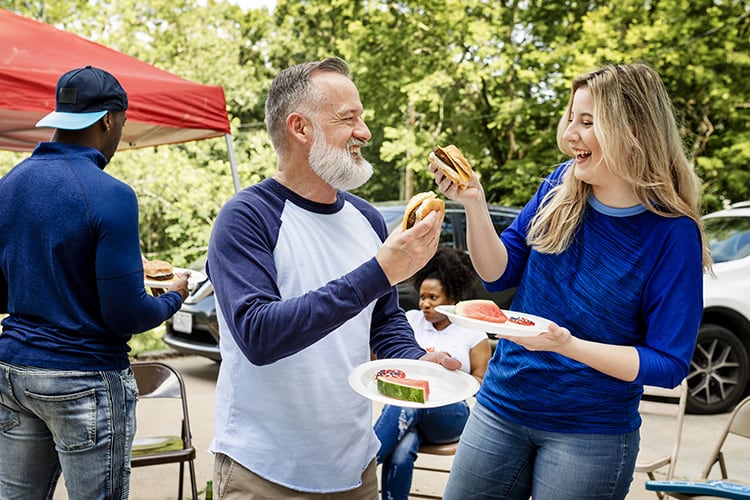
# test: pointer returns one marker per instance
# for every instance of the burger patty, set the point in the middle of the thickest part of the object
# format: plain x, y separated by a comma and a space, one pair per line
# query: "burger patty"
440, 154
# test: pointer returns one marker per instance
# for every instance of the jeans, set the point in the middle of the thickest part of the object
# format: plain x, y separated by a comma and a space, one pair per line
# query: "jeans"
80, 424
497, 459
401, 430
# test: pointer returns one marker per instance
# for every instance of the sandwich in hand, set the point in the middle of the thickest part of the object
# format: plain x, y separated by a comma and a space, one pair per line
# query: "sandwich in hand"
158, 270
420, 205
452, 163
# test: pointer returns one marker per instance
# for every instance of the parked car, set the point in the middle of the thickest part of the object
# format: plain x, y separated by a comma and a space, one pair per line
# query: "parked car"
720, 370
194, 329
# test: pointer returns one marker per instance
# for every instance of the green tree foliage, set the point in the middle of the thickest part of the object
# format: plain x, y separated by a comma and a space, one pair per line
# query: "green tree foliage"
490, 76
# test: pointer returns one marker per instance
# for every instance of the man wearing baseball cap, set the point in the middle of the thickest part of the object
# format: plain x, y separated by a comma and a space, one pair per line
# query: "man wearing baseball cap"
71, 282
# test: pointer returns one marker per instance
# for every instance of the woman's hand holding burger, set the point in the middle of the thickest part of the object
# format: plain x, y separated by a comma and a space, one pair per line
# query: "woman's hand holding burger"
457, 182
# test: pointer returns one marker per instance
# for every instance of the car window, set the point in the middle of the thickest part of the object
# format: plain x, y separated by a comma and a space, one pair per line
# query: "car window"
501, 221
392, 215
448, 232
729, 237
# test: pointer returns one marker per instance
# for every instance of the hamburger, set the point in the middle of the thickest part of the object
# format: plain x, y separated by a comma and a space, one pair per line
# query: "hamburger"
420, 205
158, 270
452, 163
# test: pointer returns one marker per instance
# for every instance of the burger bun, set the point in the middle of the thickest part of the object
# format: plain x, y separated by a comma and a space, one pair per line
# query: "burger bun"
420, 205
158, 270
452, 163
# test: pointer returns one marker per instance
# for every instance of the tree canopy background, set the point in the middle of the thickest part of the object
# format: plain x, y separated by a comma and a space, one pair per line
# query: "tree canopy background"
489, 76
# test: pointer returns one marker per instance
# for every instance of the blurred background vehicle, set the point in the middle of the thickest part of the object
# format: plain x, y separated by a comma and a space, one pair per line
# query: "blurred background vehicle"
194, 329
453, 235
720, 369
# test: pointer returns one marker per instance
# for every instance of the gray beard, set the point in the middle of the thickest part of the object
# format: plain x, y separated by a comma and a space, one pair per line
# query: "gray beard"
336, 166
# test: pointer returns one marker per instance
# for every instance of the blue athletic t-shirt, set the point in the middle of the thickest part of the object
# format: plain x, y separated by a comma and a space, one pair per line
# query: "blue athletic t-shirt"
630, 277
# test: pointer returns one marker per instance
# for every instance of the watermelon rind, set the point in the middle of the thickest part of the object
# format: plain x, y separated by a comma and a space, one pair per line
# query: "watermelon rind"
393, 389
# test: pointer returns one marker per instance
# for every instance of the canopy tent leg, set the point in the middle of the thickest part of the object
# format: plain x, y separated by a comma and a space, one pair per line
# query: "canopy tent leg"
232, 162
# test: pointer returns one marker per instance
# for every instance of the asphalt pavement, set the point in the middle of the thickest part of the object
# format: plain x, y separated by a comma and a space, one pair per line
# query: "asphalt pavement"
159, 482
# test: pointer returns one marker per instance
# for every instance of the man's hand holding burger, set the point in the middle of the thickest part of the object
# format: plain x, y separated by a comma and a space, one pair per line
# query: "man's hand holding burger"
159, 270
404, 252
180, 285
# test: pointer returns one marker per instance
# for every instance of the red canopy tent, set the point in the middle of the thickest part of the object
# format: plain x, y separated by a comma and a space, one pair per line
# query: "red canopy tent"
163, 108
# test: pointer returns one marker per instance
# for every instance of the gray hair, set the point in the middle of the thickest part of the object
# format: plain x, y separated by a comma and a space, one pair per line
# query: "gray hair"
292, 91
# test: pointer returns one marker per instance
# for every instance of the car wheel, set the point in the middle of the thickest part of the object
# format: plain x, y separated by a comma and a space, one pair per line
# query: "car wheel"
718, 371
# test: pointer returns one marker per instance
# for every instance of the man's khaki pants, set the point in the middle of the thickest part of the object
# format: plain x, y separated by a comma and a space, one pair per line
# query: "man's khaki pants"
232, 481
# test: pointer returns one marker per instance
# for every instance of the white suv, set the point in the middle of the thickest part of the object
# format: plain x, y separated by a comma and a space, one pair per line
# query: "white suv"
720, 369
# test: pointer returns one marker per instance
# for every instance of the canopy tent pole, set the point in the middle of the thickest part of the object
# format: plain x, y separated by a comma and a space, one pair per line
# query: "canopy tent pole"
232, 162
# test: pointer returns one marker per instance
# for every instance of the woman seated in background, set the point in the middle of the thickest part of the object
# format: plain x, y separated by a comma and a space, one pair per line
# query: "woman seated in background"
446, 279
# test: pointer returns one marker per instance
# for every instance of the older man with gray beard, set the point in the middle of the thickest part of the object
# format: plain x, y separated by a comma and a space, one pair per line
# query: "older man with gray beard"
305, 275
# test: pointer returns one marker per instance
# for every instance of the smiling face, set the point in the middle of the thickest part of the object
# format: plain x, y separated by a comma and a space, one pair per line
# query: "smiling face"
590, 165
339, 134
581, 138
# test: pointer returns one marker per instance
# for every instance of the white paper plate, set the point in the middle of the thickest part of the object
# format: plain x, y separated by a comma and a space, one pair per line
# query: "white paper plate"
508, 328
446, 386
195, 278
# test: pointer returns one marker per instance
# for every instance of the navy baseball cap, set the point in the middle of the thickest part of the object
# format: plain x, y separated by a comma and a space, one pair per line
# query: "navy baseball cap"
83, 96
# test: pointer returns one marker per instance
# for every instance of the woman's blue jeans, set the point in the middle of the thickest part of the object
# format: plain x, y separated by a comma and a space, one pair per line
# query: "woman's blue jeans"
401, 430
499, 459
79, 423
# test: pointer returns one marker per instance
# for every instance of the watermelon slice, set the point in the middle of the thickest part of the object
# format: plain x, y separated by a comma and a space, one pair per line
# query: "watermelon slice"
406, 389
481, 309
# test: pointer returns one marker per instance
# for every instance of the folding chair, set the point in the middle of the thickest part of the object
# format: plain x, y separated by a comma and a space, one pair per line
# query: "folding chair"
448, 449
738, 425
662, 403
158, 380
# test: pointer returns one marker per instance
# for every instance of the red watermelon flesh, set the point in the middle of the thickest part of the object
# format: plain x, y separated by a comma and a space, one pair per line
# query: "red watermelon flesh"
481, 309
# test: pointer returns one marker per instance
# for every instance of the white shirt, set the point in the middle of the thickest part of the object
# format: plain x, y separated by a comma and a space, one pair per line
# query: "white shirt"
455, 340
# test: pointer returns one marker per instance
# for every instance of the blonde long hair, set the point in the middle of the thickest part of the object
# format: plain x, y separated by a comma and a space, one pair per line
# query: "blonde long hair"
635, 125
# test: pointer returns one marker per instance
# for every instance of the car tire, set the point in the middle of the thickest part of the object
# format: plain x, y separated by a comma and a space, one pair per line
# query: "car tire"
718, 371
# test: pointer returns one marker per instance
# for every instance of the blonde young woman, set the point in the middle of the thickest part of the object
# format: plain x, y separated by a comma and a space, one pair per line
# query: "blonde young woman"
611, 249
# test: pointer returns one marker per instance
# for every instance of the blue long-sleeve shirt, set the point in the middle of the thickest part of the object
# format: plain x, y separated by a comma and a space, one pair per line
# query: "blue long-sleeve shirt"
630, 277
70, 264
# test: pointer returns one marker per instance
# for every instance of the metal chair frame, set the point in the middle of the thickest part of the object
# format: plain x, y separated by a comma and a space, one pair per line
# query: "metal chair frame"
448, 449
159, 380
738, 425
665, 402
